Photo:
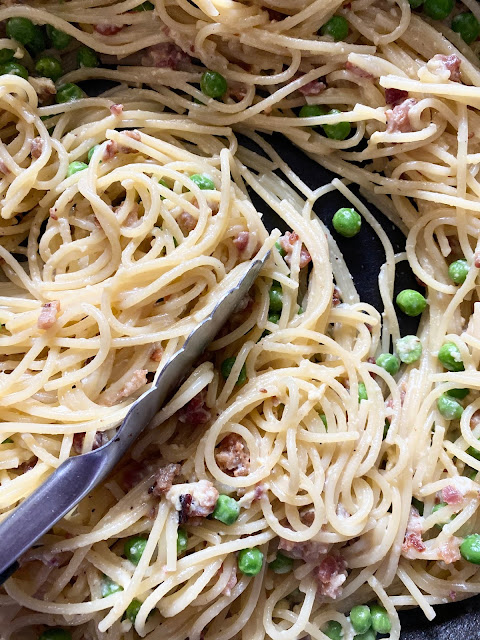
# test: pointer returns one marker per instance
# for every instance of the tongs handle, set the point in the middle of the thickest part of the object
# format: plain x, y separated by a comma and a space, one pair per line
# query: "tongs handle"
78, 476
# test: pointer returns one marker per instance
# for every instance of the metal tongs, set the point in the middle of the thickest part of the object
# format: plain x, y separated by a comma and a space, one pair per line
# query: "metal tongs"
77, 476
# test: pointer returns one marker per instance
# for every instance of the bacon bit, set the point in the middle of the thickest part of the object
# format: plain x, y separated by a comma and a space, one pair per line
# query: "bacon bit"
164, 479
134, 134
165, 55
136, 382
53, 213
312, 88
107, 29
116, 109
336, 297
262, 390
450, 63
37, 147
358, 71
193, 500
46, 557
237, 91
156, 354
3, 168
110, 150
452, 596
287, 242
44, 88
450, 551
48, 314
195, 412
241, 241
132, 218
99, 440
476, 259
413, 533
259, 491
309, 551
28, 465
232, 581
330, 575
132, 475
232, 456
307, 517
96, 222
398, 120
186, 222
451, 495
394, 97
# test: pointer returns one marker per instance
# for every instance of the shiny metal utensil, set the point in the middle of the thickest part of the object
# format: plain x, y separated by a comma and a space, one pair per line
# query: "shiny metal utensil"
77, 476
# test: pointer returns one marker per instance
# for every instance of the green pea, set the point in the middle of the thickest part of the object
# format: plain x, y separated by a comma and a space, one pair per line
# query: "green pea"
368, 635
134, 548
280, 249
475, 453
227, 366
87, 57
336, 27
347, 222
109, 586
338, 131
55, 633
182, 541
38, 43
14, 69
467, 26
449, 408
362, 392
409, 349
92, 151
415, 4
21, 29
333, 630
250, 561
380, 619
59, 39
75, 167
203, 181
419, 506
213, 84
438, 9
132, 610
311, 111
226, 509
450, 357
145, 6
458, 271
69, 93
49, 67
276, 298
470, 548
360, 618
274, 317
6, 55
281, 564
460, 394
411, 302
389, 362
436, 508
7, 441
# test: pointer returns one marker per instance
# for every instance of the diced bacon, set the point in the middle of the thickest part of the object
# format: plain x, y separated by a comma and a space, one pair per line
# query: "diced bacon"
165, 55
449, 63
48, 314
116, 109
312, 88
287, 242
3, 168
46, 556
193, 499
330, 575
450, 551
241, 241
394, 97
132, 219
259, 492
237, 91
99, 440
413, 534
105, 29
53, 213
37, 147
195, 412
110, 150
232, 456
44, 88
476, 259
28, 465
309, 551
232, 581
357, 71
134, 134
452, 596
137, 381
451, 495
164, 479
186, 222
398, 119
307, 517
156, 354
